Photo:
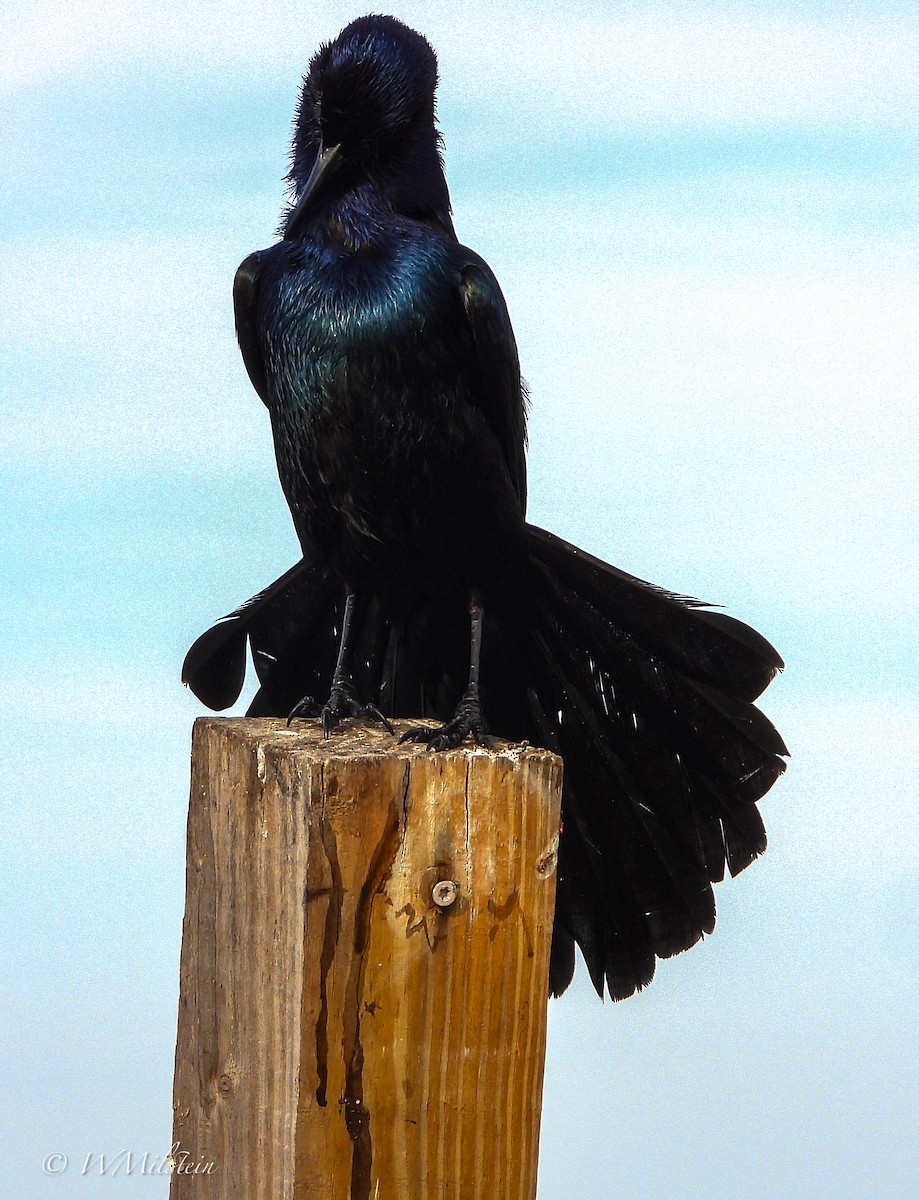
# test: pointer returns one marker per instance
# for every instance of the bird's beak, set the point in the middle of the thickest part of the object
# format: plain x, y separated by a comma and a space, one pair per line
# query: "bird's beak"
327, 163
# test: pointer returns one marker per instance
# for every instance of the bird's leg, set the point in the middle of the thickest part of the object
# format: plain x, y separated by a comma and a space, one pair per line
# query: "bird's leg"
468, 717
343, 701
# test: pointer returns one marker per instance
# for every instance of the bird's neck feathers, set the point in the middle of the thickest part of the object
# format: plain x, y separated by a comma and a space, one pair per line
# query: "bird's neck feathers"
355, 219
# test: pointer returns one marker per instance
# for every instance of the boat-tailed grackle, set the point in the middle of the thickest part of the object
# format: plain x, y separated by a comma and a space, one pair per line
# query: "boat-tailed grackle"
383, 351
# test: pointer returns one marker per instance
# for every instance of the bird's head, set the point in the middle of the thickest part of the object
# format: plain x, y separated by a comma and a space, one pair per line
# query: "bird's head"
366, 112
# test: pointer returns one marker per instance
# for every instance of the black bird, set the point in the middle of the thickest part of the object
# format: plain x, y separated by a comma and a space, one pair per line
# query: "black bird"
384, 353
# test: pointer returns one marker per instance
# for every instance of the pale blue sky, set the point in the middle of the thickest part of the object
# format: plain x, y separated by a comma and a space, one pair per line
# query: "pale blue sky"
704, 220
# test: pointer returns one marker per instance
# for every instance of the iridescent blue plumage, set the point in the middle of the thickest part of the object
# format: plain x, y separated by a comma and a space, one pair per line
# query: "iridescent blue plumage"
384, 353
374, 394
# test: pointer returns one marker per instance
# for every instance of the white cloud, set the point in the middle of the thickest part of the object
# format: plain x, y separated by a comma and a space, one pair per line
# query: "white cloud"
684, 64
137, 334
105, 774
632, 64
849, 807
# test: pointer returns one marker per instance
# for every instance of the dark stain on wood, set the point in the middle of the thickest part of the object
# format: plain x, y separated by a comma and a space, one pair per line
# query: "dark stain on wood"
357, 1117
329, 943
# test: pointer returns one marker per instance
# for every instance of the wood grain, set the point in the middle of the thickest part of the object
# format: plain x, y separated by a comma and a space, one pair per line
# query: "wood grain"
341, 1036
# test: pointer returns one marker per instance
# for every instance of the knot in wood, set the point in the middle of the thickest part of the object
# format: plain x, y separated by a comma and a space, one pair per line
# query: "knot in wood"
548, 860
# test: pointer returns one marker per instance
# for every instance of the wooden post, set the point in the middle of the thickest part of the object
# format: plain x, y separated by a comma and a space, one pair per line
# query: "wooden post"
364, 969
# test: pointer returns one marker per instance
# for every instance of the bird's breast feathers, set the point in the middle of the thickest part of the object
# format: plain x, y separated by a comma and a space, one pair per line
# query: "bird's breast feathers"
326, 298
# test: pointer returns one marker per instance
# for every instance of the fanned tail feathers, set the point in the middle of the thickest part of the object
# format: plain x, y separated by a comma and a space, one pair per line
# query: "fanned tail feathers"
646, 696
648, 702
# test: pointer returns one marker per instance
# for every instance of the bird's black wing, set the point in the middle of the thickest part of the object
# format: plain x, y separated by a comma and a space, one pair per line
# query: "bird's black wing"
498, 390
245, 301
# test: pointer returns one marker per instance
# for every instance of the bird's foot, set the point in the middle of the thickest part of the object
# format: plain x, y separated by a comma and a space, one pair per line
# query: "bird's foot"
467, 719
342, 702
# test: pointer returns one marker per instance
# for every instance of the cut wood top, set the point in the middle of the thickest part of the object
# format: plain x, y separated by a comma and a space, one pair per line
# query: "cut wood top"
356, 740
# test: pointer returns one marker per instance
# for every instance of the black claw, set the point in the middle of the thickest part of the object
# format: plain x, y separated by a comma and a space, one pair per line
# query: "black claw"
467, 720
373, 713
307, 707
418, 733
328, 718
